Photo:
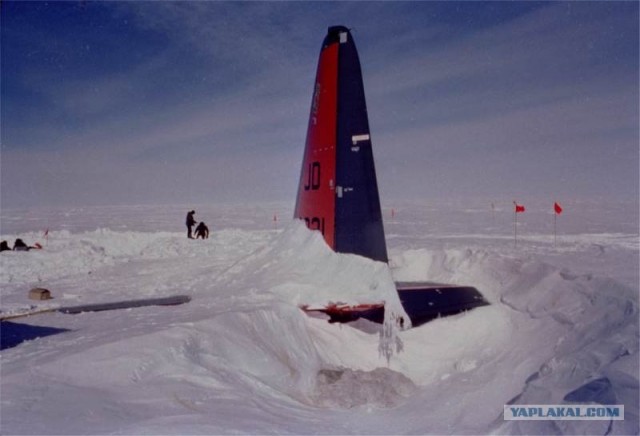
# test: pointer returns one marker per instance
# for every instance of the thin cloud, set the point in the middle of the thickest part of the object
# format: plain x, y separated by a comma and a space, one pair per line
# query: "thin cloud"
207, 100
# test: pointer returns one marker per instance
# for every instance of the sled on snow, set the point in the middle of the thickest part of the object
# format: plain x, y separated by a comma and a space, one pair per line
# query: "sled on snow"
173, 300
338, 190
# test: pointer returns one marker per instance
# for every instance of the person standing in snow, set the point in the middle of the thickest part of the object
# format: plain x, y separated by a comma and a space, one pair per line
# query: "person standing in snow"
202, 231
190, 223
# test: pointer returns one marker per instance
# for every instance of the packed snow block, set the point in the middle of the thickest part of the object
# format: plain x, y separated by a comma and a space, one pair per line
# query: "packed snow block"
39, 294
347, 388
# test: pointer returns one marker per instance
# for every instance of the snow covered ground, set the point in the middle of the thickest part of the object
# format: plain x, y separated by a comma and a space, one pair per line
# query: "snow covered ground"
242, 358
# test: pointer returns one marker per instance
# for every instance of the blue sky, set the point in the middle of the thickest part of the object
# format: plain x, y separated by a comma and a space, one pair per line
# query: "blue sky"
204, 102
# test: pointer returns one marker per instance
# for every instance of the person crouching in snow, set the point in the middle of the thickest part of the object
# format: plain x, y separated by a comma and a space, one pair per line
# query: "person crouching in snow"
202, 231
19, 245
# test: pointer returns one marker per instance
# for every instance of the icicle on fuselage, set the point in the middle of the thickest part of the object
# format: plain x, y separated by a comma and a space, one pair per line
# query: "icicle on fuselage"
338, 190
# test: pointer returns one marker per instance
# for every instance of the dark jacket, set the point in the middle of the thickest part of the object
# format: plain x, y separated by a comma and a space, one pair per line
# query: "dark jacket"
19, 245
202, 230
190, 220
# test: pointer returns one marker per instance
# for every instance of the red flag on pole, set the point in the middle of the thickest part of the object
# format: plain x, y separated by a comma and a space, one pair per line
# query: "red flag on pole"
557, 208
519, 209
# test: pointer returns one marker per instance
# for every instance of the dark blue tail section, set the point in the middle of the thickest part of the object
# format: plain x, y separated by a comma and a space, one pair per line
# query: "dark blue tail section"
338, 189
359, 227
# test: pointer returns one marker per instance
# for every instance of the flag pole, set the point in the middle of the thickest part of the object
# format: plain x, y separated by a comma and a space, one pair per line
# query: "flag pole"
555, 233
493, 214
557, 210
517, 209
515, 224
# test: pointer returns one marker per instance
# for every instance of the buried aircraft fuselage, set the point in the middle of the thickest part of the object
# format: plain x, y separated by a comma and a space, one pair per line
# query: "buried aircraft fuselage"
338, 190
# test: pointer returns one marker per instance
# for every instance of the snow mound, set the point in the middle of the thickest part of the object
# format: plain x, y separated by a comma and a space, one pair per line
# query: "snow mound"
241, 357
299, 267
566, 333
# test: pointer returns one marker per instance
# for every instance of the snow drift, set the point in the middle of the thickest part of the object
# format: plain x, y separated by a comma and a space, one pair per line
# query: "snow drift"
242, 358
